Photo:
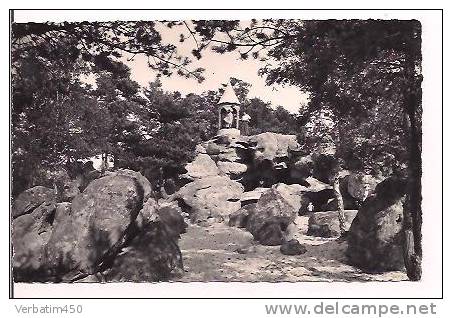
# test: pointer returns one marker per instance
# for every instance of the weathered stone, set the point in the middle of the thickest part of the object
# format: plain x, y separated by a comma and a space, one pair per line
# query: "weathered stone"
66, 188
270, 234
107, 228
203, 166
229, 133
100, 222
375, 236
232, 169
147, 213
153, 255
213, 148
273, 145
273, 215
210, 197
291, 193
170, 215
30, 233
143, 183
326, 224
316, 185
229, 154
240, 217
30, 199
292, 247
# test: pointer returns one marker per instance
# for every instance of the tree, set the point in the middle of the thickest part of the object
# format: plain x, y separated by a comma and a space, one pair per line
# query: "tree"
49, 114
118, 96
101, 42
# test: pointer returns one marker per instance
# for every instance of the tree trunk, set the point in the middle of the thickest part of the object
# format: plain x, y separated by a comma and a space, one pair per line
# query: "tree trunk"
340, 204
104, 162
412, 212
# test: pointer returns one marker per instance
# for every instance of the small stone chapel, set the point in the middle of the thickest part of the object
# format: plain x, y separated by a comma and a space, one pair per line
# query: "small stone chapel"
229, 112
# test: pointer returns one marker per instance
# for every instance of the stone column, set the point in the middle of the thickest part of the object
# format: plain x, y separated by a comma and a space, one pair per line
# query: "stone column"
219, 117
237, 113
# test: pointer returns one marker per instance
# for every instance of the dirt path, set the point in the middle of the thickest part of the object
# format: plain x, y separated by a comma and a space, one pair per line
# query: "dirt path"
222, 253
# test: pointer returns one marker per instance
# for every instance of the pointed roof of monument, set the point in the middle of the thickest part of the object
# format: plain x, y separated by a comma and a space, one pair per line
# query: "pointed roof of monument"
229, 96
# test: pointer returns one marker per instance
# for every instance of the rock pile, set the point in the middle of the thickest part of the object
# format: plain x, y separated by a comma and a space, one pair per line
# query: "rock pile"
114, 223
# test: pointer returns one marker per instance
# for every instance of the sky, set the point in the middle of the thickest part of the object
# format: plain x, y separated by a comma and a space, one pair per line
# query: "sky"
218, 69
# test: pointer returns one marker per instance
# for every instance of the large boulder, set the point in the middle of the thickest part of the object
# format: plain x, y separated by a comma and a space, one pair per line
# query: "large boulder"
240, 217
30, 199
101, 220
216, 196
326, 224
355, 188
30, 233
270, 146
203, 166
375, 236
115, 223
272, 216
314, 185
141, 181
153, 254
66, 188
170, 214
234, 170
291, 193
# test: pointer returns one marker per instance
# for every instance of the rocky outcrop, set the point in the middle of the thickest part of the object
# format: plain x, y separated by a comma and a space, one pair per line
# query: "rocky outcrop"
71, 241
30, 199
30, 234
153, 254
326, 224
141, 181
258, 160
210, 197
273, 146
355, 188
234, 170
268, 219
66, 188
171, 217
100, 223
272, 216
291, 193
203, 166
374, 238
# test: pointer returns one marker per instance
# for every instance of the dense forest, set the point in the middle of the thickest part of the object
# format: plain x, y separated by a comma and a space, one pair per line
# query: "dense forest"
363, 78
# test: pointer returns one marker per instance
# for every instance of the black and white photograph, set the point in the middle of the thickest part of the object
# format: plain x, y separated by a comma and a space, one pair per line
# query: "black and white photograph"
217, 150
